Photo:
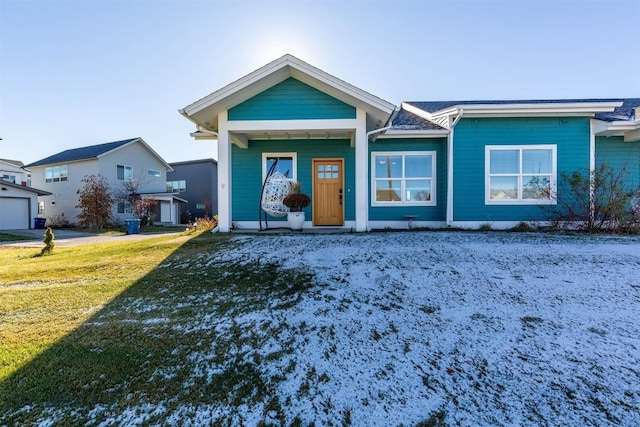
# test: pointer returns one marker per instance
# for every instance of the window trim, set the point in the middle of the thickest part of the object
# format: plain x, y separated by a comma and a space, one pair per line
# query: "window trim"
126, 208
61, 178
553, 176
176, 189
294, 161
434, 174
154, 173
124, 173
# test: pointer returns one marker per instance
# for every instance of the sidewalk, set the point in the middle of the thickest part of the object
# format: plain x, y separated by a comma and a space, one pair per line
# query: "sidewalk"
65, 238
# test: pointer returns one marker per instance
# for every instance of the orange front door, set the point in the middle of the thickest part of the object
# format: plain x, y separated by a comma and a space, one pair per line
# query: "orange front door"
328, 193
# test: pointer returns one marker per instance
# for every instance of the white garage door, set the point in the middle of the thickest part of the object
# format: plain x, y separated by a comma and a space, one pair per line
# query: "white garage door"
14, 214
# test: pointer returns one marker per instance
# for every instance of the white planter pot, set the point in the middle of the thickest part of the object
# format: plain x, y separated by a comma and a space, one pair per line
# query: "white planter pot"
295, 220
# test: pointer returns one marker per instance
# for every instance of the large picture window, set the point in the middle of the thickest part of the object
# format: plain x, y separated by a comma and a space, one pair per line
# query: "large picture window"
520, 174
56, 174
286, 164
404, 178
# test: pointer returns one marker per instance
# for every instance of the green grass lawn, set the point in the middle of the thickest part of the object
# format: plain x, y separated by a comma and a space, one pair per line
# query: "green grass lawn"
44, 301
80, 330
5, 237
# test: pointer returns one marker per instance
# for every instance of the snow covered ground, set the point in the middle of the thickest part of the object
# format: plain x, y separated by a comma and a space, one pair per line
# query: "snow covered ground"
438, 328
460, 328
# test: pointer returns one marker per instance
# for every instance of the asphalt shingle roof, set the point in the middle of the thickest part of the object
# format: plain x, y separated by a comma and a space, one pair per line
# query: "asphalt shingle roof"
406, 120
81, 153
623, 113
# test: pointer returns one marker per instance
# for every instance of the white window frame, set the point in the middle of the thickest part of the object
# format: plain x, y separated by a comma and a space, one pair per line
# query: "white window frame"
61, 176
403, 202
40, 207
553, 176
154, 173
125, 169
294, 161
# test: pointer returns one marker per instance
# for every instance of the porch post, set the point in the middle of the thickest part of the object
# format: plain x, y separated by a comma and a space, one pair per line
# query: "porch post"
224, 174
362, 174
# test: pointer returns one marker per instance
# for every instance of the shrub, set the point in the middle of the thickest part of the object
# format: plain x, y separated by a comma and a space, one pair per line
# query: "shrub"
49, 243
202, 224
95, 202
597, 201
522, 227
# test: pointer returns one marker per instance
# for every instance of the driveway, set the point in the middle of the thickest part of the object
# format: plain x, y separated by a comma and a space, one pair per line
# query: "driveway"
64, 238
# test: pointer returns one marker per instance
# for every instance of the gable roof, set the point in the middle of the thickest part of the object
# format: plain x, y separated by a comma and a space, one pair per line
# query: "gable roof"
406, 120
204, 112
625, 112
94, 152
6, 183
82, 153
16, 163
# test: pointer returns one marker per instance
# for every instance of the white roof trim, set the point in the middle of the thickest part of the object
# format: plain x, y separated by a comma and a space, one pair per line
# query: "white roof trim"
145, 145
399, 133
541, 108
278, 71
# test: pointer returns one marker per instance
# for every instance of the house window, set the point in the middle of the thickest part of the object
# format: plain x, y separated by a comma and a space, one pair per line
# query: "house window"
124, 173
520, 174
404, 178
154, 173
286, 164
124, 208
179, 186
40, 208
55, 174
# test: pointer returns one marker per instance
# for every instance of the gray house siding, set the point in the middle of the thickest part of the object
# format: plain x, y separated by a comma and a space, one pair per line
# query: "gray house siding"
201, 178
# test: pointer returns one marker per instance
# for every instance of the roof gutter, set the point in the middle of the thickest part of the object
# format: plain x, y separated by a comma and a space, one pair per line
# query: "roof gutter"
449, 214
379, 130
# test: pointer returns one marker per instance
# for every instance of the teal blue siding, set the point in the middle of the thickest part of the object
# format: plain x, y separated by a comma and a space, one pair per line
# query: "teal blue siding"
423, 213
571, 136
620, 155
247, 173
292, 100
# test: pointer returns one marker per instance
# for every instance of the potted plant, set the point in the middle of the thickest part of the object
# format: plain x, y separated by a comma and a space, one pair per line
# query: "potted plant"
296, 202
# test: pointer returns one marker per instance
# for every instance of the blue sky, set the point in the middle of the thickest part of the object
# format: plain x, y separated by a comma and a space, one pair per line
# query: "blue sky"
76, 73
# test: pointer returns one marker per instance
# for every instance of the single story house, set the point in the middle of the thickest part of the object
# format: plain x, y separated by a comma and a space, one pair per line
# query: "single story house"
369, 164
126, 164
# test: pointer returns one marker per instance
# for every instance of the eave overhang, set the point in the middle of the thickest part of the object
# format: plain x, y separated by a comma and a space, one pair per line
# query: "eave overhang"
629, 129
399, 133
204, 112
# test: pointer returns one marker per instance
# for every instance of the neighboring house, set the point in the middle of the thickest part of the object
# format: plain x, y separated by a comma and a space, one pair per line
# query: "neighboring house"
369, 164
13, 171
128, 162
18, 205
196, 181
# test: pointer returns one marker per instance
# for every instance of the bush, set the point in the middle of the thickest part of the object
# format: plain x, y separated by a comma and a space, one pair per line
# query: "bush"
49, 243
522, 227
597, 201
95, 201
202, 224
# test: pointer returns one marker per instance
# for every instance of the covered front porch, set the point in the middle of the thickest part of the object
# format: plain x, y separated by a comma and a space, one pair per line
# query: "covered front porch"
290, 109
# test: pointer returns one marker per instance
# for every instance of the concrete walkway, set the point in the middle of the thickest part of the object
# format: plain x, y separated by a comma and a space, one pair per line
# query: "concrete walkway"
64, 238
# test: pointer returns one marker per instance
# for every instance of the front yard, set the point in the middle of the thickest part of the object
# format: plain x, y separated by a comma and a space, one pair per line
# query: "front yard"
420, 328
